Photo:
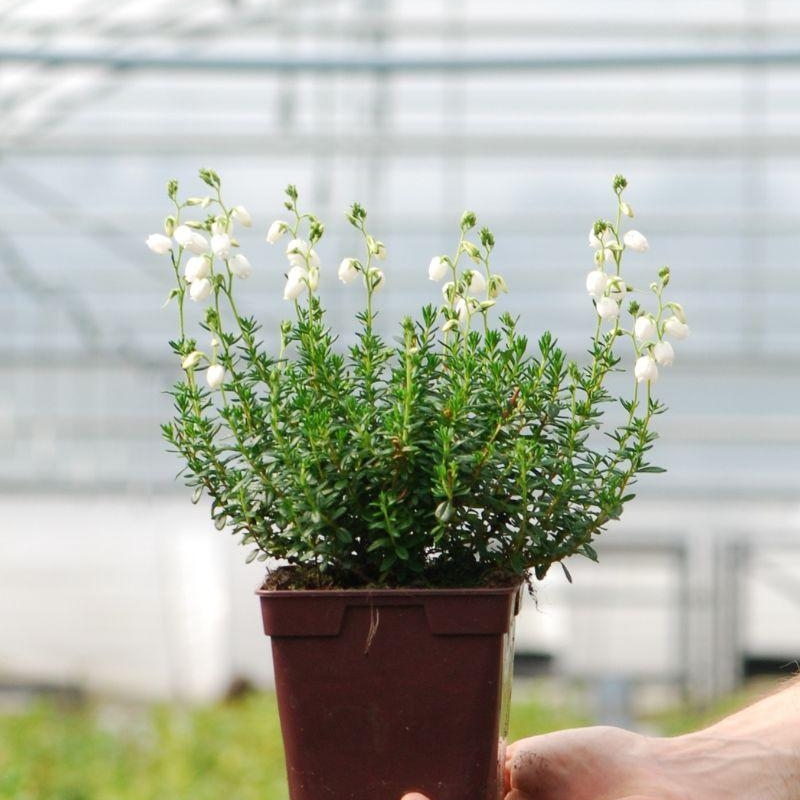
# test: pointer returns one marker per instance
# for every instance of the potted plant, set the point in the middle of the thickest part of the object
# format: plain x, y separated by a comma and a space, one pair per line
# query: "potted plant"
409, 488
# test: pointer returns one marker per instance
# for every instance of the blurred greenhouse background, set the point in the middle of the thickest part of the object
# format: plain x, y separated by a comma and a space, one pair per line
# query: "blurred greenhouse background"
112, 582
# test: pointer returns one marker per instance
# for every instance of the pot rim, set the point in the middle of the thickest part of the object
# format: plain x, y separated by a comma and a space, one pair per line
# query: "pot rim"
392, 592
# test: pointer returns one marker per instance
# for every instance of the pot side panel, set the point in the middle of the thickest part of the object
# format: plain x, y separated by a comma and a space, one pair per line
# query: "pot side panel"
388, 706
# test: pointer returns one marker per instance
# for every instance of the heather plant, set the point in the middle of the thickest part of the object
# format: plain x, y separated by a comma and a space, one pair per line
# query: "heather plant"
457, 454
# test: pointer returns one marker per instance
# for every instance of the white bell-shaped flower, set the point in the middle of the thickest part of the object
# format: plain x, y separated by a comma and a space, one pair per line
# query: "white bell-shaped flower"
675, 328
196, 267
191, 240
159, 243
221, 245
596, 282
664, 354
240, 266
607, 308
462, 309
192, 360
616, 288
242, 215
297, 247
636, 241
437, 269
215, 375
276, 230
645, 369
348, 270
296, 283
477, 282
200, 289
644, 328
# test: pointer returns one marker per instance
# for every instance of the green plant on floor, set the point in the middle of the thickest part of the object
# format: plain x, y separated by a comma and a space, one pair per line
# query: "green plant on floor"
457, 454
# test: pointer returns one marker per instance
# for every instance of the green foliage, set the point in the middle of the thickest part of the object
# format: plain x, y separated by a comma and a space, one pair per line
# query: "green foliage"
167, 753
454, 455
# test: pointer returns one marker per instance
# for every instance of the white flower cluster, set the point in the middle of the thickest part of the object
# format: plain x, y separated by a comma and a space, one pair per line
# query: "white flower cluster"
608, 289
199, 278
472, 290
199, 268
351, 268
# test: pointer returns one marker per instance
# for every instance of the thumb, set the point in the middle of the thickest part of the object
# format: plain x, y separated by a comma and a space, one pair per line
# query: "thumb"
415, 796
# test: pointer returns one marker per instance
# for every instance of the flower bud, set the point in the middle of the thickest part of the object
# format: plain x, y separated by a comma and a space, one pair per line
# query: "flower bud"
597, 238
449, 325
192, 360
645, 369
241, 214
438, 268
379, 251
276, 230
200, 289
221, 245
607, 308
626, 209
169, 225
173, 293
636, 241
348, 270
197, 267
644, 327
191, 240
496, 285
375, 279
215, 375
448, 290
664, 354
313, 279
468, 220
159, 243
677, 310
220, 225
472, 251
240, 266
313, 259
675, 328
596, 283
462, 309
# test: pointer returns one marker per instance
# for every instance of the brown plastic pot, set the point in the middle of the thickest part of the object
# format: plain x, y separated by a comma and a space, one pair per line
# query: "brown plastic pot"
381, 692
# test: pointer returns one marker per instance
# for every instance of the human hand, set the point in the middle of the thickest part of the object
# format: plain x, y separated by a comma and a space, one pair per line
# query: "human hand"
585, 764
599, 763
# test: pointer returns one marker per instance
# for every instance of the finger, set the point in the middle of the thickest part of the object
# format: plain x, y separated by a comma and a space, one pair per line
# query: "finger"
639, 797
413, 796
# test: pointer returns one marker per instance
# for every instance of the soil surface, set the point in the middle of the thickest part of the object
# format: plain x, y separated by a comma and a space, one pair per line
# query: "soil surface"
300, 576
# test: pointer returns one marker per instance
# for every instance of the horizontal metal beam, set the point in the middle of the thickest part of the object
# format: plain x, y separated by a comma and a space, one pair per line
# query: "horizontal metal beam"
270, 144
522, 62
390, 27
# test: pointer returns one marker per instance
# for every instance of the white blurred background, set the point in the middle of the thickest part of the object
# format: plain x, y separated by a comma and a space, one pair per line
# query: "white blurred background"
111, 581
